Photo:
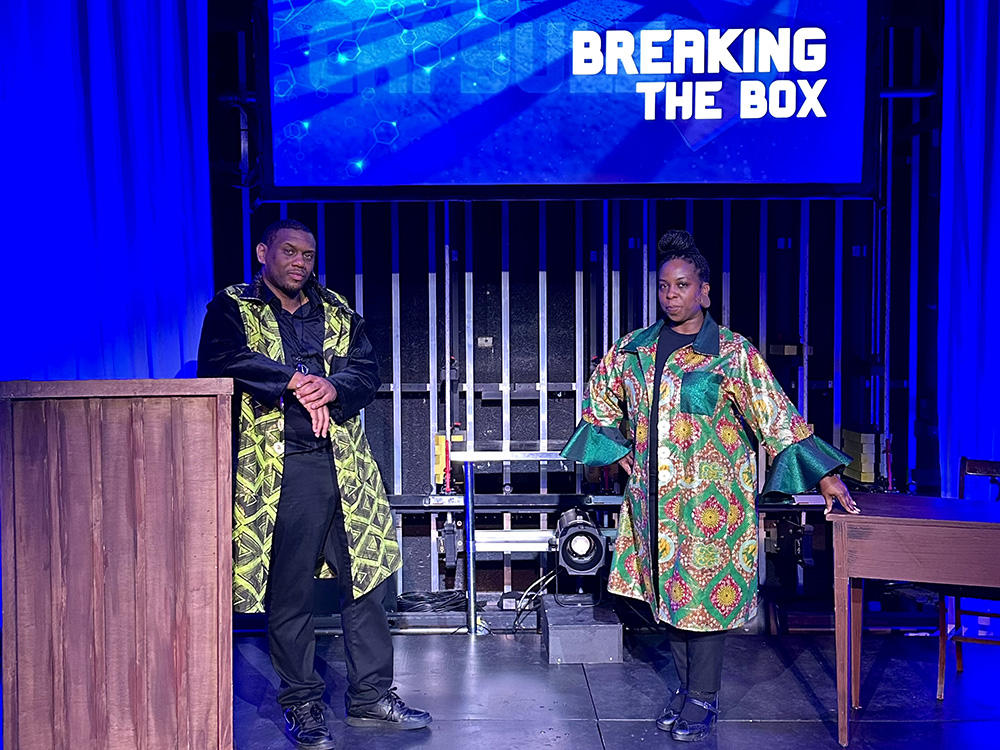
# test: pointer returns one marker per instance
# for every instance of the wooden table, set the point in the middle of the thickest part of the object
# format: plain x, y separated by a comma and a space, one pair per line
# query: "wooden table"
904, 538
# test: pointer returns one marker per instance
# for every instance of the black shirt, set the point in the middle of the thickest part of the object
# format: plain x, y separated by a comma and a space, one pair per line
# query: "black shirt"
669, 341
302, 334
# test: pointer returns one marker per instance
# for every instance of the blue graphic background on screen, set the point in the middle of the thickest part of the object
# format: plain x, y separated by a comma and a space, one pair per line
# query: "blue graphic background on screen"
425, 92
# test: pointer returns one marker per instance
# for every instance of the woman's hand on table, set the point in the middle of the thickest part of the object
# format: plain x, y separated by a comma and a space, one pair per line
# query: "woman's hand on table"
834, 491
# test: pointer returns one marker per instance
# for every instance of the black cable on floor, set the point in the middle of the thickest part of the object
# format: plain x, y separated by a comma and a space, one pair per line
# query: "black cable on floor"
433, 601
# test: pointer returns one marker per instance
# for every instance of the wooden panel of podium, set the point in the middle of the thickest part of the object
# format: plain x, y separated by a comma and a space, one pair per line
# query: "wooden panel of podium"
115, 513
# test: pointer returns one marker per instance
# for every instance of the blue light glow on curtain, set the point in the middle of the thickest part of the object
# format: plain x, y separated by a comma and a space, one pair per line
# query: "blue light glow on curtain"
107, 253
968, 313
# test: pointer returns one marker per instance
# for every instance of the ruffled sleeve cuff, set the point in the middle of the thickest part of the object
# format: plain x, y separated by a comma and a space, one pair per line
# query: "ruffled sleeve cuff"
800, 466
596, 446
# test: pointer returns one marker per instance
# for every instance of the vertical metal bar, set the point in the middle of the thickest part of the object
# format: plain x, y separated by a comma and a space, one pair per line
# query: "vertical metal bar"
838, 320
543, 349
605, 343
282, 210
762, 290
804, 309
248, 244
543, 366
887, 273
321, 243
470, 549
359, 283
762, 326
727, 214
505, 365
432, 343
397, 521
397, 390
800, 565
505, 336
448, 418
616, 323
647, 281
653, 249
578, 320
689, 215
762, 346
447, 383
434, 554
470, 395
507, 576
911, 378
470, 352
876, 265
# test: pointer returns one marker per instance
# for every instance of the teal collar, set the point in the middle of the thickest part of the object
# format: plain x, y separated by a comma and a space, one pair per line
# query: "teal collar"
706, 342
645, 338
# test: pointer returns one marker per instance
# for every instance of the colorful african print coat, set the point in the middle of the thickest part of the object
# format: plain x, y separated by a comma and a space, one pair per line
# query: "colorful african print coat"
254, 352
706, 477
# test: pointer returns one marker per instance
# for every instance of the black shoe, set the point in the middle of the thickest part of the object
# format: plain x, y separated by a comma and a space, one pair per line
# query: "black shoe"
390, 712
672, 710
684, 731
306, 726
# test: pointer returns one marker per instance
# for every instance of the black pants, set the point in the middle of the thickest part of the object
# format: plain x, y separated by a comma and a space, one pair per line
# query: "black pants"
698, 658
310, 520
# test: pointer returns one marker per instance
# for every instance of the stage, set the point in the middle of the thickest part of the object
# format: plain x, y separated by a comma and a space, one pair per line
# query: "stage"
464, 204
498, 692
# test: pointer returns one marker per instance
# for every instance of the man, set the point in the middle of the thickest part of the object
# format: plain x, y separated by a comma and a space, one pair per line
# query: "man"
308, 492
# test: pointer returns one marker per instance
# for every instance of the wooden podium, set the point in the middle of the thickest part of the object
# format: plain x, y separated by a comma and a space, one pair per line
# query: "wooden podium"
115, 513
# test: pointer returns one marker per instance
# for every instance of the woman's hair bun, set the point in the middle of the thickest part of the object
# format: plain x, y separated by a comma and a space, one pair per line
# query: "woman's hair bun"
676, 241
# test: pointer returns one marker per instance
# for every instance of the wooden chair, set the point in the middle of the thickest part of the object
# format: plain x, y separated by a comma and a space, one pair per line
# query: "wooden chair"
968, 467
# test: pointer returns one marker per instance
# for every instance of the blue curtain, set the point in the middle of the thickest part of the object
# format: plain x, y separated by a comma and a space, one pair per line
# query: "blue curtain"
968, 309
103, 138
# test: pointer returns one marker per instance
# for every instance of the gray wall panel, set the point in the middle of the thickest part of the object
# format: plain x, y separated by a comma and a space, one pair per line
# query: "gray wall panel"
415, 451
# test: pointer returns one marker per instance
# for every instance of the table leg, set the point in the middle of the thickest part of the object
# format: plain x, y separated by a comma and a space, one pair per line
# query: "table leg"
942, 642
857, 618
842, 614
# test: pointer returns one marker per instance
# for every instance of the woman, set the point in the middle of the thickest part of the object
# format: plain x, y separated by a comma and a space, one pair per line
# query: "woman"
692, 555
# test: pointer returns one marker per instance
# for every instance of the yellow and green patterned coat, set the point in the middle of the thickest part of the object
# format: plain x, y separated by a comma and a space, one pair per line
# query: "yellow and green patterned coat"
245, 344
706, 476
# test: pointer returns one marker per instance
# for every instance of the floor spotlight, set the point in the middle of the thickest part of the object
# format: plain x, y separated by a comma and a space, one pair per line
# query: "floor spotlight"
580, 546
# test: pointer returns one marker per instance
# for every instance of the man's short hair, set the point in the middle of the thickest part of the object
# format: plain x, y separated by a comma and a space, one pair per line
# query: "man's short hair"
272, 230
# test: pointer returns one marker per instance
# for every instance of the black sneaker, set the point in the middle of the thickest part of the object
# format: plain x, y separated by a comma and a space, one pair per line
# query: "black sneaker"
391, 713
306, 726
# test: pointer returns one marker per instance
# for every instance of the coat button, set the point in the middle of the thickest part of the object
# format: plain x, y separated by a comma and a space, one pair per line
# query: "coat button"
279, 448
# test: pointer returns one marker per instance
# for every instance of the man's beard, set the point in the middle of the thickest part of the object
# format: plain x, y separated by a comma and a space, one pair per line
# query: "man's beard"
292, 289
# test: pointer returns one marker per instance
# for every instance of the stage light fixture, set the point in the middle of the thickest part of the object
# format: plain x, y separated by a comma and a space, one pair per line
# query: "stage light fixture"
580, 546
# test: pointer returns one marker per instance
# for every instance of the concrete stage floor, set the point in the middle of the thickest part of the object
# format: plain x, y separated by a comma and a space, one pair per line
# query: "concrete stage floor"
498, 692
